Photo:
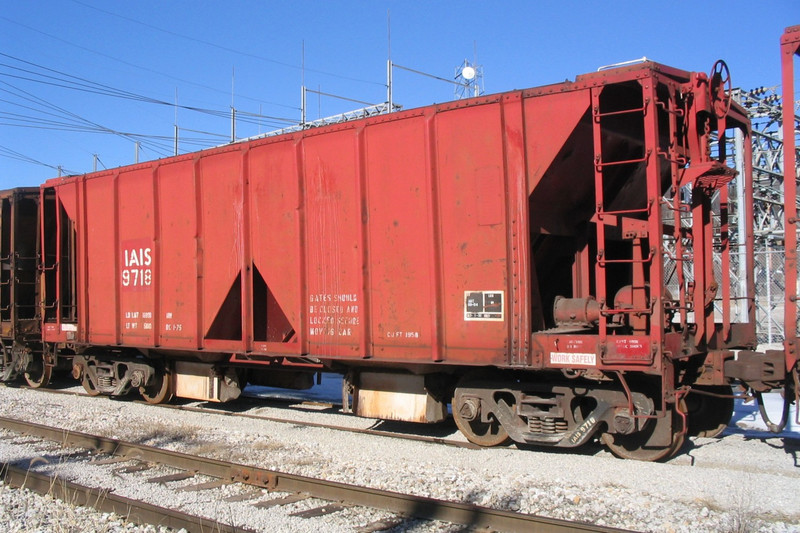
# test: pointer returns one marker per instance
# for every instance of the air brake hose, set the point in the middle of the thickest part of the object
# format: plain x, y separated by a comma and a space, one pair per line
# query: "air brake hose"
788, 396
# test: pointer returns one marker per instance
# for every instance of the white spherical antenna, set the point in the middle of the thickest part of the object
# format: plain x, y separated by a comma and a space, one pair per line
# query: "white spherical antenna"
468, 73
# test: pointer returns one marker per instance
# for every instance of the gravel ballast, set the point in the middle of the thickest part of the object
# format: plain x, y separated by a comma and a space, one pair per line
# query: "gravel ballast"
738, 482
24, 511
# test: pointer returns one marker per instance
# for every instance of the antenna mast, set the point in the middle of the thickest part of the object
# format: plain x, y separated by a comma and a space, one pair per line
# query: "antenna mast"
469, 77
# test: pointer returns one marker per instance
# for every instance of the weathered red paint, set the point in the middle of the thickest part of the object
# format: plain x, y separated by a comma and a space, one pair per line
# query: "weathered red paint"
431, 236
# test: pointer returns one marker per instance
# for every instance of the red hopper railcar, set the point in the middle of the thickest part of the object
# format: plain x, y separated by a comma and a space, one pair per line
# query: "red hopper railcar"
554, 262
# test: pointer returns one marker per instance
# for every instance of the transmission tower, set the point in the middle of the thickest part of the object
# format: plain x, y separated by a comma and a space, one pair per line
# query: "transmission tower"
764, 107
765, 110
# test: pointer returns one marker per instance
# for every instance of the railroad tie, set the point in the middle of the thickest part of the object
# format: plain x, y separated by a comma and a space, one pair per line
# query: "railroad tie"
326, 509
292, 498
204, 486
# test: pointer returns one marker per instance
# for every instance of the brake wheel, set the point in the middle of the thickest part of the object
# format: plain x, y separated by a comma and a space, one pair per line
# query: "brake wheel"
719, 89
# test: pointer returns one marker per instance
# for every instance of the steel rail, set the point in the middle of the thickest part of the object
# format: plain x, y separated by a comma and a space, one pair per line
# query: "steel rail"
220, 409
416, 506
104, 501
362, 431
227, 409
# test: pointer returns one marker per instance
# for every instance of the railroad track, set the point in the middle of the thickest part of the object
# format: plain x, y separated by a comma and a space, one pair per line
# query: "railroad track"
231, 409
102, 500
222, 409
278, 488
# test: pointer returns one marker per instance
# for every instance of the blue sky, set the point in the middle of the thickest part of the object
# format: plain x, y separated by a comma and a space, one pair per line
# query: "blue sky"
56, 54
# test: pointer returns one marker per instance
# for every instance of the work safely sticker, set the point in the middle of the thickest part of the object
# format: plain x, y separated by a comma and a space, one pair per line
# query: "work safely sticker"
483, 305
573, 359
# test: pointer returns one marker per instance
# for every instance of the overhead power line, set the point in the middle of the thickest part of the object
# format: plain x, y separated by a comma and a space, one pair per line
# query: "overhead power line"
39, 113
75, 119
77, 83
140, 67
13, 154
226, 48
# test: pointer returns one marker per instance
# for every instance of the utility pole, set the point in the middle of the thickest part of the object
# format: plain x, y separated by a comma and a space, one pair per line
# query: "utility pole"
233, 107
176, 121
233, 124
303, 86
389, 83
389, 60
303, 106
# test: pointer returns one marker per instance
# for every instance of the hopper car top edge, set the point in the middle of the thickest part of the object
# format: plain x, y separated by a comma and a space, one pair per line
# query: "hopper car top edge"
582, 81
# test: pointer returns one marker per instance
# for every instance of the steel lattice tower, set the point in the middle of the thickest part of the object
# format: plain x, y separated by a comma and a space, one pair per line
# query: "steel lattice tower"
765, 110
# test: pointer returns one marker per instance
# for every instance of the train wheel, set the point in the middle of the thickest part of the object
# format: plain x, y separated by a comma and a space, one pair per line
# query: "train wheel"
638, 446
709, 415
468, 421
88, 386
160, 390
38, 373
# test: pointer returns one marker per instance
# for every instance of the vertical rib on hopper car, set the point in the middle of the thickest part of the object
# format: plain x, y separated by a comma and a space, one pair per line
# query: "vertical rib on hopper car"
546, 260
